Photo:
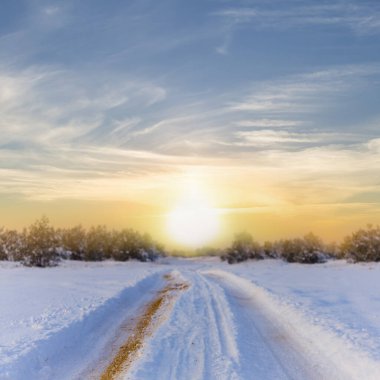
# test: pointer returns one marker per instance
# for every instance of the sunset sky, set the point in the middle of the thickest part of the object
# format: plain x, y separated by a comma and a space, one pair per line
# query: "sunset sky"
118, 112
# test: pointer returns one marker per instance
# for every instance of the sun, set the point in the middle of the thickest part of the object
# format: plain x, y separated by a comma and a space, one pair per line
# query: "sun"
193, 222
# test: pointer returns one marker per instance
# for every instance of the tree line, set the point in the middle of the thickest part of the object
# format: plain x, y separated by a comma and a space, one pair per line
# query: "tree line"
42, 245
361, 246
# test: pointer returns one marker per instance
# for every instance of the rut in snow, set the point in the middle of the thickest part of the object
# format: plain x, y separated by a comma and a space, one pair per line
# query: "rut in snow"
147, 322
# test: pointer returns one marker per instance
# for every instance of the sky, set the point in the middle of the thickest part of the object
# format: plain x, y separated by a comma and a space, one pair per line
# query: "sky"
112, 110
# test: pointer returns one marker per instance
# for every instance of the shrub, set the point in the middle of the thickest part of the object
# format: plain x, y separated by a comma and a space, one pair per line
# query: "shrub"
308, 250
126, 245
97, 244
74, 242
362, 245
40, 245
243, 248
271, 249
3, 252
11, 245
149, 251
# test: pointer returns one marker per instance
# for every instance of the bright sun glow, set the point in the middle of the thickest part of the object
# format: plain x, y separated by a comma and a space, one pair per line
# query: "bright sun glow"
193, 222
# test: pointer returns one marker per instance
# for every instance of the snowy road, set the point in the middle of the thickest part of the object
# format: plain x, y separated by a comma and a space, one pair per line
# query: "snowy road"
219, 331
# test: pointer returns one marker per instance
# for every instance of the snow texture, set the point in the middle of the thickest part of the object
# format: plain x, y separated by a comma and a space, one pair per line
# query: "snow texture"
264, 320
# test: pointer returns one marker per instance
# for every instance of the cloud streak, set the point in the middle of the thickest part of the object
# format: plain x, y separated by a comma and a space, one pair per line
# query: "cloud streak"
361, 18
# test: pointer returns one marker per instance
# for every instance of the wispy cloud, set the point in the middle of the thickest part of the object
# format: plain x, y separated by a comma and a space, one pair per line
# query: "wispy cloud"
272, 138
268, 123
361, 18
50, 119
303, 93
44, 102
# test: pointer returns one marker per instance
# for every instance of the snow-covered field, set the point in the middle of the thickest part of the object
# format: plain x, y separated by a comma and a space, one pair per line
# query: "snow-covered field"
262, 320
52, 317
343, 298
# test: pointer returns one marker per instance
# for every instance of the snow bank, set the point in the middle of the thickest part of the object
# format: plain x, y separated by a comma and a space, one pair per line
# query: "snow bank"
48, 315
333, 308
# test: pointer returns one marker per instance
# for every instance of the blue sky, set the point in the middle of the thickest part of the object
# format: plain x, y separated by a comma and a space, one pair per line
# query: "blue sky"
117, 99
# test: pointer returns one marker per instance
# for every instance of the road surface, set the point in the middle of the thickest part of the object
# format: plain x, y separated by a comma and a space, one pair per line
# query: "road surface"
216, 329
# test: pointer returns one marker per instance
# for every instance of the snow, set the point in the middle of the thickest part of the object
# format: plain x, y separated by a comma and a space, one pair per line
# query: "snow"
330, 356
39, 306
266, 319
199, 334
340, 297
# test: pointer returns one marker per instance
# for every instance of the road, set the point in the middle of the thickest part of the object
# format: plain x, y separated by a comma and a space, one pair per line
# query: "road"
218, 330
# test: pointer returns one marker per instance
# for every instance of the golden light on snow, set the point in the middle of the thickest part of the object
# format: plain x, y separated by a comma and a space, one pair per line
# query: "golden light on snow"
193, 222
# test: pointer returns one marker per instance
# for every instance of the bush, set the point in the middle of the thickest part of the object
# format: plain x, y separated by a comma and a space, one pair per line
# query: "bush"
3, 253
97, 244
243, 248
40, 245
149, 251
74, 242
309, 250
129, 244
271, 250
121, 245
11, 245
362, 245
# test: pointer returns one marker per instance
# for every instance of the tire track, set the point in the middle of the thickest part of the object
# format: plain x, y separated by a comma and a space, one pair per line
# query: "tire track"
146, 324
270, 352
197, 341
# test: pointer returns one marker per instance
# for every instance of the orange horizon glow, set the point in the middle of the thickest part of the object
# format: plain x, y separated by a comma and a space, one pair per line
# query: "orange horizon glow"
240, 203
